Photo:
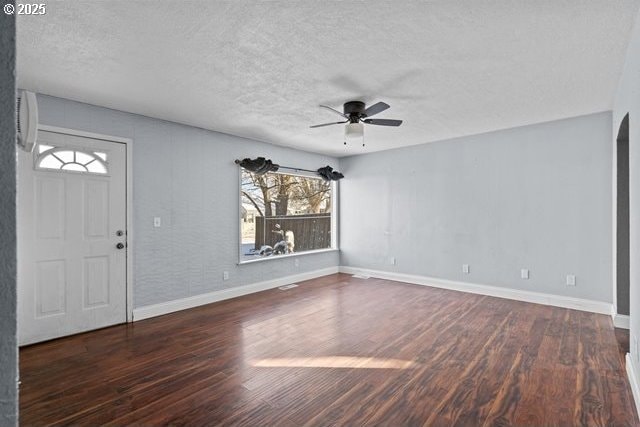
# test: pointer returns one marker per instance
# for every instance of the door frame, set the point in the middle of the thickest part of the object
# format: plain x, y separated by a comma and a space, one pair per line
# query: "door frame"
128, 203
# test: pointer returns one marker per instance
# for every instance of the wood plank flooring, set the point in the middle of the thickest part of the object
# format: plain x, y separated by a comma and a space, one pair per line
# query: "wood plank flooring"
337, 351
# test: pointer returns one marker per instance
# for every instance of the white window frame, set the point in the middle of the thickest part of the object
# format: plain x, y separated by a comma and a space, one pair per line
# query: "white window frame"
334, 221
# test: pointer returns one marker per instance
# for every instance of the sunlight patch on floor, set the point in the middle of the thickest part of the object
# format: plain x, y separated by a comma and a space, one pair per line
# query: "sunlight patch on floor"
334, 362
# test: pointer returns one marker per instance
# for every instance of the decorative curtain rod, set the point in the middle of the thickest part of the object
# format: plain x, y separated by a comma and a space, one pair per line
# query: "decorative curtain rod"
261, 166
297, 169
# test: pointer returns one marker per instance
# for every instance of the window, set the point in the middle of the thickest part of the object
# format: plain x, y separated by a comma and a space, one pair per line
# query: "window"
284, 214
65, 159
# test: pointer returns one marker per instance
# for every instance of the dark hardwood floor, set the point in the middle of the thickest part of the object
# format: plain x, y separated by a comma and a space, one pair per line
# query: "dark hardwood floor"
337, 351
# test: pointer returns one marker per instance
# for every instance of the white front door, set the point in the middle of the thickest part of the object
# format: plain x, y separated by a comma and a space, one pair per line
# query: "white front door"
71, 236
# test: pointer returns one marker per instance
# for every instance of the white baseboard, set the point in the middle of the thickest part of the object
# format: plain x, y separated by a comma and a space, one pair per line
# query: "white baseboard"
494, 291
208, 298
534, 297
631, 375
621, 320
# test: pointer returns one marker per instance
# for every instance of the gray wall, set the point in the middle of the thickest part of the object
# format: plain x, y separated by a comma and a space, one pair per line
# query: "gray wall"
627, 100
8, 343
186, 176
536, 197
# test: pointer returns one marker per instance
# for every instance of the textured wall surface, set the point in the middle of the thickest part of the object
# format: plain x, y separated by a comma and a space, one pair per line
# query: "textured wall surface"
187, 177
8, 343
628, 101
536, 197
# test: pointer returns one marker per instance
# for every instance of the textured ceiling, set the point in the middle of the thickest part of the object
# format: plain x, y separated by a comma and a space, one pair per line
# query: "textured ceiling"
260, 68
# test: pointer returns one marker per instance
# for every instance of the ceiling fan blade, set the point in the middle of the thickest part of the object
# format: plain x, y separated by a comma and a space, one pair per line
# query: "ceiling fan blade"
383, 122
335, 111
375, 109
328, 124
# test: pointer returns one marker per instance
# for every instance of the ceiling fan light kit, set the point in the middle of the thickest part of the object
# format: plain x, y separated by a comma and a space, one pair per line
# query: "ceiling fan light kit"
356, 114
354, 133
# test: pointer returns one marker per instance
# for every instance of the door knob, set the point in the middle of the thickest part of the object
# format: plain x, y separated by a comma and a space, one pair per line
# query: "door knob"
120, 245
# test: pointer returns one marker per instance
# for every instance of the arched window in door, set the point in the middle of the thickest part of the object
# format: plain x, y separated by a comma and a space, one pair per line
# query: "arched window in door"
67, 159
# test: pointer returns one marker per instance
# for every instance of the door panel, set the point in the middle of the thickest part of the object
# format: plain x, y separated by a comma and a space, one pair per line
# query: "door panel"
50, 199
96, 281
96, 210
71, 205
51, 292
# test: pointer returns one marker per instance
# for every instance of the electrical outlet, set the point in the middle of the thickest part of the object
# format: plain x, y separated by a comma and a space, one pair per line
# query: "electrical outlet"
571, 280
225, 275
465, 268
524, 273
393, 260
157, 221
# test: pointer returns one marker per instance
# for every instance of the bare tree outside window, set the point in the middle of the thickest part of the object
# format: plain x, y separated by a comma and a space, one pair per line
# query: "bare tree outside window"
284, 214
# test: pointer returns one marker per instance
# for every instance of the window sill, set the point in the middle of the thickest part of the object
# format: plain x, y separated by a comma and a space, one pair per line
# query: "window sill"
287, 256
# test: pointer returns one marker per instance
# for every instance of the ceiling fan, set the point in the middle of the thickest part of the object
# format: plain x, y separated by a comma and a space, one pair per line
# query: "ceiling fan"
357, 114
